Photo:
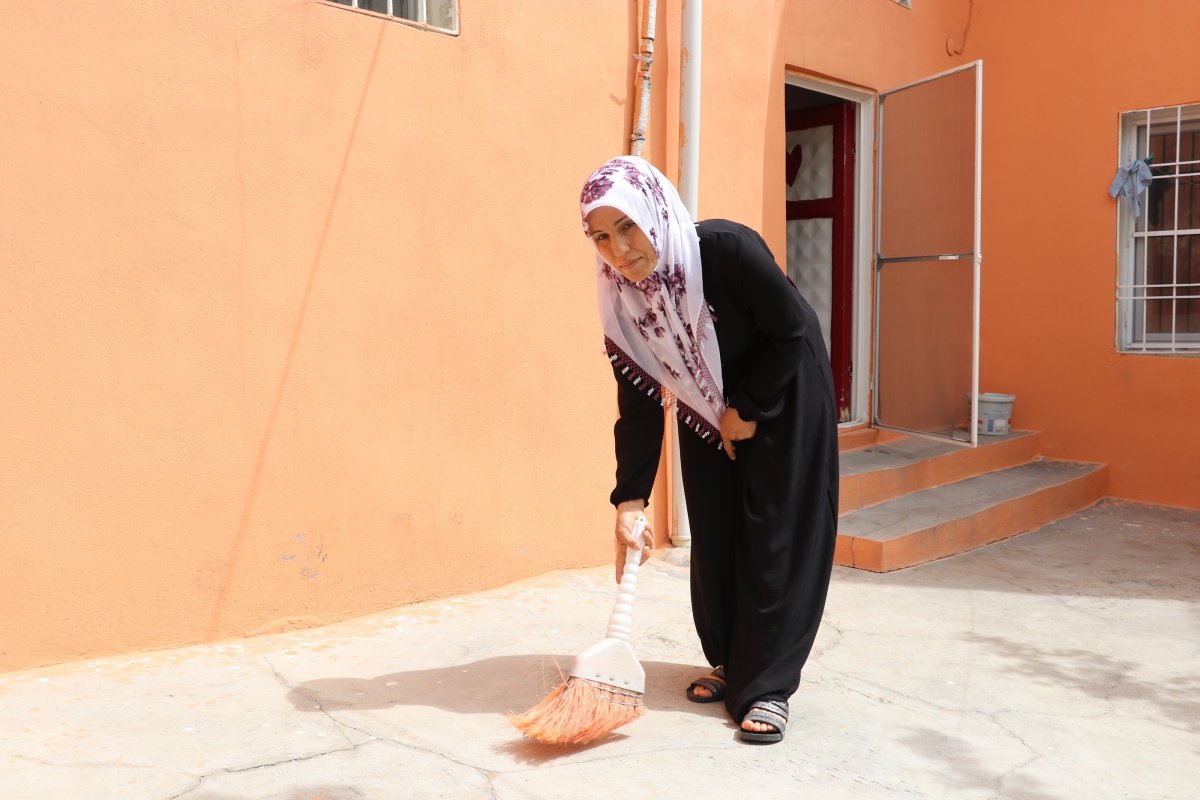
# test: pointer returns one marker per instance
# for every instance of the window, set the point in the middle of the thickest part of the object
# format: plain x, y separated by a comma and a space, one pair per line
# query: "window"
1158, 284
440, 14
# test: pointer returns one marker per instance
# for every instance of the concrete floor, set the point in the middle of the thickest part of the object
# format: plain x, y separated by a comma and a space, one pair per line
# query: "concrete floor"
1064, 663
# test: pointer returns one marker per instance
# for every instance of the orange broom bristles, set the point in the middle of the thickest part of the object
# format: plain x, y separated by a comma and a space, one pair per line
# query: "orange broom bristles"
579, 711
585, 706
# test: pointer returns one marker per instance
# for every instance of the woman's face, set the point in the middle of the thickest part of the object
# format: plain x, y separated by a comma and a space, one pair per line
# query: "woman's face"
621, 243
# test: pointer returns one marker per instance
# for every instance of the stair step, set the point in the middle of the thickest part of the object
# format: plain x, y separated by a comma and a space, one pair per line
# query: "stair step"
951, 519
891, 469
864, 436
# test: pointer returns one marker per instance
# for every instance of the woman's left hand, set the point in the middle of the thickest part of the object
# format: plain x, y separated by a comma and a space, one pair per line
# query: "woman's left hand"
735, 429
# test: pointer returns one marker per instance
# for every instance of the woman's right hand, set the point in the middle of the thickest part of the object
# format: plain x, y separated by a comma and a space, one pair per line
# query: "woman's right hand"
628, 513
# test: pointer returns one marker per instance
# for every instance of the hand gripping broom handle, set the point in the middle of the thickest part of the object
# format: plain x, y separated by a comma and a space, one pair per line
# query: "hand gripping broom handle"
621, 621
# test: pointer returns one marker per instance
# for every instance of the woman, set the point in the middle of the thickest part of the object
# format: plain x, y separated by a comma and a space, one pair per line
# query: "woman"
703, 311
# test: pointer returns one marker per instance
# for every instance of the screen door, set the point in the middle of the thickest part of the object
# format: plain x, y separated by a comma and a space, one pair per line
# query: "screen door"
927, 256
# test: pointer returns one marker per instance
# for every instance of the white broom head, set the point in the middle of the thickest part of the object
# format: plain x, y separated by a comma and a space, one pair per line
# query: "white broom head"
611, 661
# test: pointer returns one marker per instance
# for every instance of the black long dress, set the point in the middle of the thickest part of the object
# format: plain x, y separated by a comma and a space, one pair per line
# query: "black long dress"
764, 525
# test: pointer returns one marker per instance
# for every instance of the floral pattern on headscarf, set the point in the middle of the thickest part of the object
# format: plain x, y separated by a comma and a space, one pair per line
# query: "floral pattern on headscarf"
664, 325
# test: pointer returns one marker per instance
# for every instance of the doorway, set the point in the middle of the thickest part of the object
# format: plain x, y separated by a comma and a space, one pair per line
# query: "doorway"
821, 176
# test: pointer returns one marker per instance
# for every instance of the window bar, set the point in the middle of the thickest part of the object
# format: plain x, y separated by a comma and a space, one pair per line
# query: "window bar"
1145, 276
1140, 305
390, 12
1175, 226
1140, 284
1126, 246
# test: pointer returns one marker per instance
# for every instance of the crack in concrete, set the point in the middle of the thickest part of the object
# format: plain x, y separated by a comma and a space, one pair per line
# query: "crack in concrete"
885, 690
375, 737
199, 783
1034, 754
237, 770
989, 716
485, 773
916, 637
1065, 603
291, 688
823, 648
73, 764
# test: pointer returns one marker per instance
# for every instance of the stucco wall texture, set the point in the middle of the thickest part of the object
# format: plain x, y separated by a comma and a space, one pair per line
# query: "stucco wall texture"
1054, 88
297, 321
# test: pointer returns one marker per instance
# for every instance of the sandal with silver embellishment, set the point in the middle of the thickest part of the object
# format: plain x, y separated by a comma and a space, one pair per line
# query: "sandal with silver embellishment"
767, 712
714, 682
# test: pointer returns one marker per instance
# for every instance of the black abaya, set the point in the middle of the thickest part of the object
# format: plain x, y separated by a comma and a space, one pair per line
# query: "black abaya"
763, 525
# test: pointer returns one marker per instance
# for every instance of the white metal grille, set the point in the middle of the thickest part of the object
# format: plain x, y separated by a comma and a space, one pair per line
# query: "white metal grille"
1158, 287
440, 14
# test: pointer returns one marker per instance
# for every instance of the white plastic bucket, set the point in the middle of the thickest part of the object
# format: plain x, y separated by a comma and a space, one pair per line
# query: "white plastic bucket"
995, 413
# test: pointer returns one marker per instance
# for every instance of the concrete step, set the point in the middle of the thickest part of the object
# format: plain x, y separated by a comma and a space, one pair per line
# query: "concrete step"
889, 469
960, 516
864, 436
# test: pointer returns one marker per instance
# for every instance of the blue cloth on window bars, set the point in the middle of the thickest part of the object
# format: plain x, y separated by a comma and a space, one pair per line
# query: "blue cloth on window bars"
1131, 181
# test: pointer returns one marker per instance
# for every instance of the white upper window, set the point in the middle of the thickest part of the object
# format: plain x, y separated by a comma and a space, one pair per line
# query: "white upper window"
1158, 283
439, 14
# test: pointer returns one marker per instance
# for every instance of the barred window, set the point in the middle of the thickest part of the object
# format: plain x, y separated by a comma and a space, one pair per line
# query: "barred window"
1158, 285
439, 14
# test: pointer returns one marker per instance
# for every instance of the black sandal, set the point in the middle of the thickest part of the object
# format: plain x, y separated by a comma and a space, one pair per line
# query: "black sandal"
714, 682
768, 712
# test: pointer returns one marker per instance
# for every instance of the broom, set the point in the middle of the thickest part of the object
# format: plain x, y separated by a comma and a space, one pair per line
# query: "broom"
605, 688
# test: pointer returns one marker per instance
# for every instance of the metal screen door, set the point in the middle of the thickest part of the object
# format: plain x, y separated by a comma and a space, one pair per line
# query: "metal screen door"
927, 256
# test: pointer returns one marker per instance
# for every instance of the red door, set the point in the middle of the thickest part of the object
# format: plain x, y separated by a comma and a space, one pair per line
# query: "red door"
820, 228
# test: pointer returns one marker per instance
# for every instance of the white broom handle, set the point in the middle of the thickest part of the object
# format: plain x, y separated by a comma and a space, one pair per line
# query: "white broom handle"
621, 621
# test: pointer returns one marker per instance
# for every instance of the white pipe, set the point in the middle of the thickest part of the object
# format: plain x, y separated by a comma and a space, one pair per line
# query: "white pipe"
978, 248
647, 58
689, 180
689, 106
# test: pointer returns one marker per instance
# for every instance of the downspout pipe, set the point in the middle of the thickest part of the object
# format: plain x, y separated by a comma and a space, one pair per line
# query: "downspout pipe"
689, 185
689, 107
638, 138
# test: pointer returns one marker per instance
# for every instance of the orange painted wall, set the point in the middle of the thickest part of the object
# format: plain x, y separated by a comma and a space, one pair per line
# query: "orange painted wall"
297, 322
875, 44
1054, 86
296, 316
748, 48
1055, 81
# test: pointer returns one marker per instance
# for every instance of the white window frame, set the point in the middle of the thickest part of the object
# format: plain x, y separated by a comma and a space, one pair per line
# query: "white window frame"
394, 9
1132, 295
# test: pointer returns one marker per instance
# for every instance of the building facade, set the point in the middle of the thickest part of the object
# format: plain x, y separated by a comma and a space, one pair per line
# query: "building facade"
298, 322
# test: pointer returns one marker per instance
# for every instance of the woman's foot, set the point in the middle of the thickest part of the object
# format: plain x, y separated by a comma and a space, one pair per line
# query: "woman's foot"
765, 722
708, 689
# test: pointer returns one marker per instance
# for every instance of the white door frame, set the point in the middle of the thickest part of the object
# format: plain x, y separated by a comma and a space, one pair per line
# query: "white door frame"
864, 251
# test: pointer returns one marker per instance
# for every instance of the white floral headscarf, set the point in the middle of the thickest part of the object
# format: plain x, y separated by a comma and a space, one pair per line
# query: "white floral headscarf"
659, 331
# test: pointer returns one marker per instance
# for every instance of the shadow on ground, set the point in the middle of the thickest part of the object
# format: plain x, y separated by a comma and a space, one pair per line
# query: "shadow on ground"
489, 686
1098, 675
302, 793
495, 686
964, 768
